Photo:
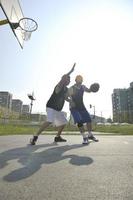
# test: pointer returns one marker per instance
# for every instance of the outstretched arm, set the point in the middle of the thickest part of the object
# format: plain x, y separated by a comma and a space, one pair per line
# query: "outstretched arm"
71, 69
86, 89
61, 83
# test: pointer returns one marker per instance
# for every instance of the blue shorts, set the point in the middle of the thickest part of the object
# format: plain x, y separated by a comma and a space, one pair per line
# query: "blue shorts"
80, 116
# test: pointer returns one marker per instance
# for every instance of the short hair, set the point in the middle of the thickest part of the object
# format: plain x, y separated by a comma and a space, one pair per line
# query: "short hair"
79, 78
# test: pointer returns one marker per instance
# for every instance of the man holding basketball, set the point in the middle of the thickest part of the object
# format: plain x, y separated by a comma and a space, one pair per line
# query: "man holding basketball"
54, 107
78, 110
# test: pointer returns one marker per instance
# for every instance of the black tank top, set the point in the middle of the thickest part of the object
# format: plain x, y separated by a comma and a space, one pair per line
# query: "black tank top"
57, 100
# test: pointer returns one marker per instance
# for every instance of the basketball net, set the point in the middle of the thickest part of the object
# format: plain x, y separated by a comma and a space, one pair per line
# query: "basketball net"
26, 35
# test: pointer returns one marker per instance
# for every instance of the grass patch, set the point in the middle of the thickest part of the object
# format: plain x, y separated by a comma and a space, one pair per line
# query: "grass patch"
117, 129
10, 129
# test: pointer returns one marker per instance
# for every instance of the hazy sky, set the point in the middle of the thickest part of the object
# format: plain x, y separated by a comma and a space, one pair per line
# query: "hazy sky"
97, 35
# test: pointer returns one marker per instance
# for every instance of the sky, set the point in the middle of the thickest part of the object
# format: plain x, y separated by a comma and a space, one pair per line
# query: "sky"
97, 35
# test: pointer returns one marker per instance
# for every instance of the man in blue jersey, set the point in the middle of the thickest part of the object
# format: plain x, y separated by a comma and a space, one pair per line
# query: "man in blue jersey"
54, 107
78, 110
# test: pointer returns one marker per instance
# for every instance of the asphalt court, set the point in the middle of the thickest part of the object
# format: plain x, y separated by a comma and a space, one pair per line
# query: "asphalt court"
70, 170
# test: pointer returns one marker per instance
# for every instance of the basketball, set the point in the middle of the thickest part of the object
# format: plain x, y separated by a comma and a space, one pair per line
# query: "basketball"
94, 87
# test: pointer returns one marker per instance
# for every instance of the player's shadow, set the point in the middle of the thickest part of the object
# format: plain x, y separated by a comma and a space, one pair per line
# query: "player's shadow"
32, 157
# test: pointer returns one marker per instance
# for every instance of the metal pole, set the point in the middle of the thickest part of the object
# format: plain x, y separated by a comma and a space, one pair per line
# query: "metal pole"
31, 97
3, 22
94, 111
31, 104
101, 116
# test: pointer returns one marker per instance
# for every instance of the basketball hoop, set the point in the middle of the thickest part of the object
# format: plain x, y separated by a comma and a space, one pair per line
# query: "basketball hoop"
26, 24
21, 26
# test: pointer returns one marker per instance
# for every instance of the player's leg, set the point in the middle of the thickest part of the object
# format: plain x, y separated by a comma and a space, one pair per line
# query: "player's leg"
42, 128
81, 128
82, 131
87, 118
58, 137
50, 116
78, 120
90, 134
60, 122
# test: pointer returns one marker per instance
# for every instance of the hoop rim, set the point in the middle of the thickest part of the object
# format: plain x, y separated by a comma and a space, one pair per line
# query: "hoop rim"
28, 18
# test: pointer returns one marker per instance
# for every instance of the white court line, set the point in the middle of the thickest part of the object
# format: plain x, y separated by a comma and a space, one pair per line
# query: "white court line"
125, 142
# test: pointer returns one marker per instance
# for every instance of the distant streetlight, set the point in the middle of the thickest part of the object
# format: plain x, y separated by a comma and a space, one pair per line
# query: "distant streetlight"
91, 106
31, 97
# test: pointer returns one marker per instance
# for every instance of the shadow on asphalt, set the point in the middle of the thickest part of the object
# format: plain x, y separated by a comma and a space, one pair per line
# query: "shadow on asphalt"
32, 157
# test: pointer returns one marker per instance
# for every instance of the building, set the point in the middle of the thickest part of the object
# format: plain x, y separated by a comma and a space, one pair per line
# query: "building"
130, 103
38, 117
25, 109
17, 105
6, 100
122, 103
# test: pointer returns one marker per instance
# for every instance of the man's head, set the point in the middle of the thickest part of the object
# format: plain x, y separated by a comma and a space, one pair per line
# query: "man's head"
79, 79
65, 79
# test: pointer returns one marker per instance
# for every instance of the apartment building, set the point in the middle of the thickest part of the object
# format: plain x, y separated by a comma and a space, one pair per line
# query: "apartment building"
6, 100
25, 109
122, 104
17, 105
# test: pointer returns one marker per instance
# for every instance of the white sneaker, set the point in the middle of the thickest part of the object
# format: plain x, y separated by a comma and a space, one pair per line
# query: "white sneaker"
85, 140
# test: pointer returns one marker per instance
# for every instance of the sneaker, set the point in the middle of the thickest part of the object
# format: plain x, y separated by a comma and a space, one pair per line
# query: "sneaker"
33, 140
59, 139
92, 138
85, 140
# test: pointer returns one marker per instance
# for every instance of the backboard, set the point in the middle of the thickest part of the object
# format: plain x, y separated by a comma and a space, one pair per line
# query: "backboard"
13, 12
